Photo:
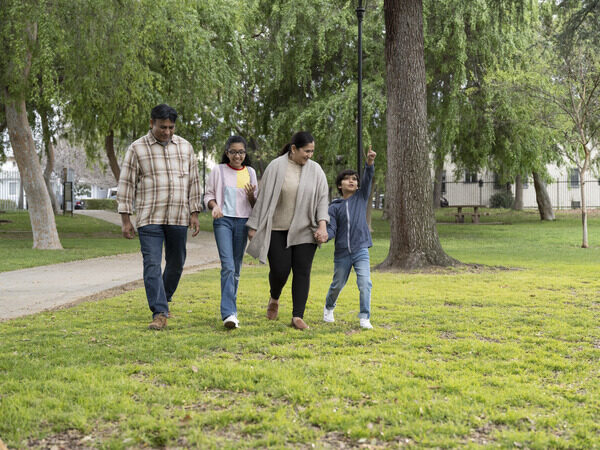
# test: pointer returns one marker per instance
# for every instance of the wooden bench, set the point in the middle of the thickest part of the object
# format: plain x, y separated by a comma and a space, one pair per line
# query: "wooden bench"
460, 216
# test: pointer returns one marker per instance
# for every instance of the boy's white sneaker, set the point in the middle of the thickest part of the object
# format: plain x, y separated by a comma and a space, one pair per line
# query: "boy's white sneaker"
366, 324
328, 315
231, 322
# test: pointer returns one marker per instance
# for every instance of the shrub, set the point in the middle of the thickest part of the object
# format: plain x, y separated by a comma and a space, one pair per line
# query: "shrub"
503, 199
101, 203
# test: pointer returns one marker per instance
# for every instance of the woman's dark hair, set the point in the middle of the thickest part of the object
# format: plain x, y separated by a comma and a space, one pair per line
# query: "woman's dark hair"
343, 174
163, 112
299, 139
235, 140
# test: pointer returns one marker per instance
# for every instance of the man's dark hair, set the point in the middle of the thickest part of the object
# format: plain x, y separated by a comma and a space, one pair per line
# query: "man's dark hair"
343, 174
163, 112
236, 140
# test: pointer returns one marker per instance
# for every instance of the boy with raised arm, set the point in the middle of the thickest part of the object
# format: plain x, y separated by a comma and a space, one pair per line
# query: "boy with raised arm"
348, 224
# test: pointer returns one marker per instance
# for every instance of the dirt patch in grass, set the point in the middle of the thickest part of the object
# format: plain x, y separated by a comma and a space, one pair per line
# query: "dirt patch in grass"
108, 293
459, 269
71, 439
483, 434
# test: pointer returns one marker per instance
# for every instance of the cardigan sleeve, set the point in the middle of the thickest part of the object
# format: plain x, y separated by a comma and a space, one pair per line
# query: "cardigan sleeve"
322, 197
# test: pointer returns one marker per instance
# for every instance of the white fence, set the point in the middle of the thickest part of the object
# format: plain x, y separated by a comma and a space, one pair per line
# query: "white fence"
563, 194
10, 190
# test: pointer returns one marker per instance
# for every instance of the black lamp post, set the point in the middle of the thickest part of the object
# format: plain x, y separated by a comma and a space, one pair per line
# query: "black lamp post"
360, 12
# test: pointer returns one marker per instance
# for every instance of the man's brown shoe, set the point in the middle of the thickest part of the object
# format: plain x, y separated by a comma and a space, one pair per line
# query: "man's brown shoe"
272, 309
159, 322
299, 324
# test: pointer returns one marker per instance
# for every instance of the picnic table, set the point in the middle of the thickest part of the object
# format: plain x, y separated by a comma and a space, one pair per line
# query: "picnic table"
460, 216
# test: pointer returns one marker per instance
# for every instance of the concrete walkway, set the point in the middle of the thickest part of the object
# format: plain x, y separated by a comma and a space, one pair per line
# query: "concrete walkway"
29, 291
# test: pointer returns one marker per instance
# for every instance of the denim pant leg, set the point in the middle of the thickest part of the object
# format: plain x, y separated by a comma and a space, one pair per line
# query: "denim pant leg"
240, 239
362, 267
151, 243
224, 229
341, 270
175, 254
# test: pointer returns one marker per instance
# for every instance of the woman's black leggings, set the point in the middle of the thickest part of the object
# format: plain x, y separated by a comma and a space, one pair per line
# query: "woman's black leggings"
297, 258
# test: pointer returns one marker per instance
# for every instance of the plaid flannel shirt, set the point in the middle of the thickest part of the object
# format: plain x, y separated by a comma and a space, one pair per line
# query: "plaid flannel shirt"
163, 181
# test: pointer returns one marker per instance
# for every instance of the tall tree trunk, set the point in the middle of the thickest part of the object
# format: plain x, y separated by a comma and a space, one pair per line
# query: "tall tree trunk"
41, 215
109, 146
21, 201
518, 203
437, 184
414, 241
584, 227
542, 198
49, 147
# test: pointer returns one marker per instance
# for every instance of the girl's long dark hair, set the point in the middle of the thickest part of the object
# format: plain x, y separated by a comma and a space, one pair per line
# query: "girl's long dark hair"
299, 139
235, 140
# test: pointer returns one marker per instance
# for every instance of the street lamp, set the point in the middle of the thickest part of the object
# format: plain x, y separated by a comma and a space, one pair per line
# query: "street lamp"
360, 12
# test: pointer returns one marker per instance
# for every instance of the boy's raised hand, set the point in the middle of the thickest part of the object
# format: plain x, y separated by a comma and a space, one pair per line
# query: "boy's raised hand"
371, 156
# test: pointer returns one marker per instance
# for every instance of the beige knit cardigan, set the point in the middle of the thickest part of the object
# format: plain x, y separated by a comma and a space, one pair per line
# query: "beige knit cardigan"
312, 202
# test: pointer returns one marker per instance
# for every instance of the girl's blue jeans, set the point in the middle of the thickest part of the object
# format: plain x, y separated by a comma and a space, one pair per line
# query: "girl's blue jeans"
231, 236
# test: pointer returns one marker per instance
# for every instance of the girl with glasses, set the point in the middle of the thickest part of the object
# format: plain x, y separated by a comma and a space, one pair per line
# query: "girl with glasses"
230, 195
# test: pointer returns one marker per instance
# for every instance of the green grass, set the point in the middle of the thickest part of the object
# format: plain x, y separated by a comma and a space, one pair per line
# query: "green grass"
466, 357
81, 237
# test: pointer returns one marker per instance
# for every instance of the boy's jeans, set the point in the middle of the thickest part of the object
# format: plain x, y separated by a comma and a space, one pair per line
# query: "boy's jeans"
160, 289
231, 236
342, 266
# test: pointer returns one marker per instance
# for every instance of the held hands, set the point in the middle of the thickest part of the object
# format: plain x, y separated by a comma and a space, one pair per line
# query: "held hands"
320, 236
371, 156
251, 233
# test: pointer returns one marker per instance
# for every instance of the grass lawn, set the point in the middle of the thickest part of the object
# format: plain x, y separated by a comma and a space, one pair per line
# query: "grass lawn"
503, 356
81, 237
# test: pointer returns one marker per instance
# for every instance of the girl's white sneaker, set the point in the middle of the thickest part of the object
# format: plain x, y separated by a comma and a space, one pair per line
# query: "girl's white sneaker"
366, 323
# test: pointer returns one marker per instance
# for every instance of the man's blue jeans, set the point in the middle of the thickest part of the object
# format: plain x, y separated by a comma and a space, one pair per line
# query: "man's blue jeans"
160, 288
343, 263
231, 236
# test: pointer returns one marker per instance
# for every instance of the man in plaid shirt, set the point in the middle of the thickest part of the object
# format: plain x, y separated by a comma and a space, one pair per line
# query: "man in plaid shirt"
160, 173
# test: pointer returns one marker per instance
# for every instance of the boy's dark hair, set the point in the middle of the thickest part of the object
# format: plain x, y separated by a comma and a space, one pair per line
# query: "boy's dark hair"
163, 112
343, 174
236, 140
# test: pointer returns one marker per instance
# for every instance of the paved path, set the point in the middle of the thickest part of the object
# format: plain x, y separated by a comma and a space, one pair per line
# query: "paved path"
29, 291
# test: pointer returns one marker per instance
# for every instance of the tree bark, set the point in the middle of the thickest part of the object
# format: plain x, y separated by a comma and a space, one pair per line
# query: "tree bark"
437, 185
542, 198
109, 146
584, 227
50, 156
41, 215
518, 203
414, 242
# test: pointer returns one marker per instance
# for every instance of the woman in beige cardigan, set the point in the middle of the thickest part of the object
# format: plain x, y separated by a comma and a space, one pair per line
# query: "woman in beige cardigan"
289, 219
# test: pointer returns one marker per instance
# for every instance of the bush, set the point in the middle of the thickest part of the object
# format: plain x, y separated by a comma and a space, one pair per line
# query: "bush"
502, 200
7, 204
101, 203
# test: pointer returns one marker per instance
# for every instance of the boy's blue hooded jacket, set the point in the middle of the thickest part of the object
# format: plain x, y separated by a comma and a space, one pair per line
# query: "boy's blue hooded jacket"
348, 217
